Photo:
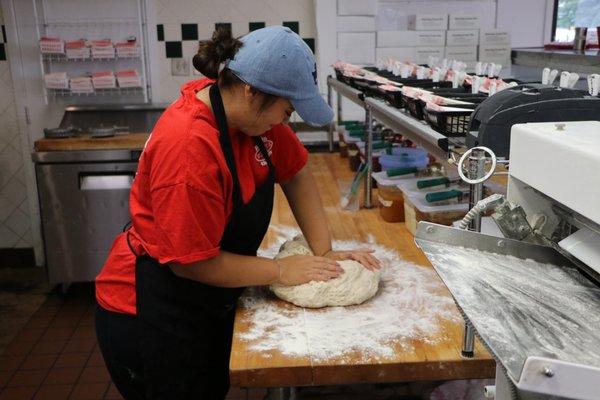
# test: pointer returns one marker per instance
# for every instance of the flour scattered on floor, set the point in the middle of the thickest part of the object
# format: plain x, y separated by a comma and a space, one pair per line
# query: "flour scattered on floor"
411, 304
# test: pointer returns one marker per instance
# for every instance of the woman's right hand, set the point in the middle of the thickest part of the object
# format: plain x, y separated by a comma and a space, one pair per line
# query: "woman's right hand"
299, 269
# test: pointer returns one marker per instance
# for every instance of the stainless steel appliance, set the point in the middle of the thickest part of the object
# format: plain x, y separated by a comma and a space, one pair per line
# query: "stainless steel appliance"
84, 194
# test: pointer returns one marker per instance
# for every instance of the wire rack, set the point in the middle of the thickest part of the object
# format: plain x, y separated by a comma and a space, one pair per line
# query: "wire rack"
97, 92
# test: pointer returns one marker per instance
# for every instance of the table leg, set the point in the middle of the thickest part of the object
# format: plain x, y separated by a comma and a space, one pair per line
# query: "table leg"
281, 393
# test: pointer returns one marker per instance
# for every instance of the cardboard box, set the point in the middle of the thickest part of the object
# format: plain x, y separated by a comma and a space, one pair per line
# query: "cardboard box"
462, 38
460, 21
461, 53
356, 24
494, 37
428, 22
357, 55
395, 53
410, 38
357, 7
358, 39
493, 53
422, 54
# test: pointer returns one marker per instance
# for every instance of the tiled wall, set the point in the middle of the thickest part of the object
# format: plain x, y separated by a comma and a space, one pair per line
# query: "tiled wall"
15, 228
175, 26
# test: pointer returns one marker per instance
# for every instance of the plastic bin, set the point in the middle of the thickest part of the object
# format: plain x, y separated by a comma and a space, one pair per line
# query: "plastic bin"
400, 161
444, 213
391, 204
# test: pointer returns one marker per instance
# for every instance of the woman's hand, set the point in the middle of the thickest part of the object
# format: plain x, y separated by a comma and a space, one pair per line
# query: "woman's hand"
363, 256
299, 269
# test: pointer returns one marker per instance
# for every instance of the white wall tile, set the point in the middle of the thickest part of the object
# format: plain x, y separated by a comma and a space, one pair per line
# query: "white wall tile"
8, 238
17, 222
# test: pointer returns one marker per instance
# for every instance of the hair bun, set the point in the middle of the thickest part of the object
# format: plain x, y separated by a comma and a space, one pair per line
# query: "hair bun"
211, 53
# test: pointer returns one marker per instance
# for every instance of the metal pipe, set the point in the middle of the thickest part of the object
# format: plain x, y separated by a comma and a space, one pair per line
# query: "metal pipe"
331, 124
369, 157
339, 107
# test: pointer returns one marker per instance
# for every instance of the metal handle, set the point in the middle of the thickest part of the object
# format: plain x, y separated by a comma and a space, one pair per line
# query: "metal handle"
441, 196
486, 176
400, 171
427, 183
105, 182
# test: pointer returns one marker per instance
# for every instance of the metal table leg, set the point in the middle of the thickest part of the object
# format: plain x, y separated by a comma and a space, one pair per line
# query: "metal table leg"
331, 124
281, 393
369, 158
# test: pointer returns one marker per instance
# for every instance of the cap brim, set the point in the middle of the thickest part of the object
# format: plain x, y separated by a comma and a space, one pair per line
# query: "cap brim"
314, 111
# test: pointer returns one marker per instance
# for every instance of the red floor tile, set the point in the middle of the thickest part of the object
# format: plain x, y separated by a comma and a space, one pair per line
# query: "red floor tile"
39, 361
53, 392
18, 393
72, 360
64, 321
94, 375
80, 345
32, 377
62, 376
84, 332
39, 322
31, 334
18, 348
113, 393
5, 377
58, 334
96, 360
10, 362
89, 391
50, 347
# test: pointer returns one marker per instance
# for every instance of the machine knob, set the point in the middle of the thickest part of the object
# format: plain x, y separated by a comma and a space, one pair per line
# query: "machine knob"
546, 370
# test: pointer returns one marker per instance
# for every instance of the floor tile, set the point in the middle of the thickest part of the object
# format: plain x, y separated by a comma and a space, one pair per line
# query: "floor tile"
10, 362
53, 392
71, 360
80, 345
94, 375
62, 376
39, 322
113, 393
5, 377
18, 393
57, 334
39, 361
84, 332
96, 360
17, 348
32, 377
30, 334
50, 347
89, 391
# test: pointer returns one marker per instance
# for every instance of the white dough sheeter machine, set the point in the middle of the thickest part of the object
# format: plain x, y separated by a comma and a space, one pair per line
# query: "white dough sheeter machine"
533, 296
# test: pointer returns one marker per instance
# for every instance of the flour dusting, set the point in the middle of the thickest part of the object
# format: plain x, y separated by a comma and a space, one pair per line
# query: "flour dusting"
411, 304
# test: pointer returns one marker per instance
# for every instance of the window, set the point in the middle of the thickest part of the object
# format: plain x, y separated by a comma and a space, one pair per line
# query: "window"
574, 13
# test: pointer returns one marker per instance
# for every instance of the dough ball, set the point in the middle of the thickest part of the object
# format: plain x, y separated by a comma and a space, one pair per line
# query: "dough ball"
356, 285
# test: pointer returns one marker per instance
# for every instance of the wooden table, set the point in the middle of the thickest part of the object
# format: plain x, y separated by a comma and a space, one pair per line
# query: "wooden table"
127, 141
439, 361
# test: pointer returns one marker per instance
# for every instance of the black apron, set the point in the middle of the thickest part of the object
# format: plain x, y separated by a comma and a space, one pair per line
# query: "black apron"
185, 326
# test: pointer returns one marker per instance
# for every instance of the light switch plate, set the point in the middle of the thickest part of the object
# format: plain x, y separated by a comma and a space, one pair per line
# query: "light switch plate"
180, 67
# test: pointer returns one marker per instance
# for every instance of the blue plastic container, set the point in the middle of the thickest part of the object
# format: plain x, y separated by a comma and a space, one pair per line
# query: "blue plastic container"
403, 161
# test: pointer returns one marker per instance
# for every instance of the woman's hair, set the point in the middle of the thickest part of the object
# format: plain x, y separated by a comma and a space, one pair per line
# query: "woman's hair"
221, 47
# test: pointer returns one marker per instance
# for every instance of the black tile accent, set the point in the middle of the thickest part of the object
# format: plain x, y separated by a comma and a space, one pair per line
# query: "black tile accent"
189, 31
2, 52
293, 25
160, 32
17, 258
311, 43
173, 49
252, 26
226, 25
4, 40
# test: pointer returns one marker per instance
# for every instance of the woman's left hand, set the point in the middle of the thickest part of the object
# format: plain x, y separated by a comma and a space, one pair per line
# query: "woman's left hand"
363, 256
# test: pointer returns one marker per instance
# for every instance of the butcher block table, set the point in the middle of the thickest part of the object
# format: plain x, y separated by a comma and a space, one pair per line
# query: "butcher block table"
128, 141
421, 360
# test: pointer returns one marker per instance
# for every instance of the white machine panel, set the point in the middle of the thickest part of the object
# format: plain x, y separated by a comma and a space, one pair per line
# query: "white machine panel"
561, 160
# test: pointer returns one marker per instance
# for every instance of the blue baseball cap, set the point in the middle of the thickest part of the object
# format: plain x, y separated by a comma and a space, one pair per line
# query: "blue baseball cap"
276, 60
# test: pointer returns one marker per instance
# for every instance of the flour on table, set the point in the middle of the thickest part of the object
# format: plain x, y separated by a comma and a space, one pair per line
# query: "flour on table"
411, 304
354, 286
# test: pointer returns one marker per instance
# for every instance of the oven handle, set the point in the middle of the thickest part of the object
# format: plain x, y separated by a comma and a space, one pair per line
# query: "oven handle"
109, 181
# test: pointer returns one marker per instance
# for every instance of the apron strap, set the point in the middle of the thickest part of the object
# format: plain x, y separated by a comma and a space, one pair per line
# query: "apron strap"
219, 111
261, 146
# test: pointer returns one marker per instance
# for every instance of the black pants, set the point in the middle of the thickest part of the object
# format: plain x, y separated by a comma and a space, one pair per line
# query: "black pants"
145, 363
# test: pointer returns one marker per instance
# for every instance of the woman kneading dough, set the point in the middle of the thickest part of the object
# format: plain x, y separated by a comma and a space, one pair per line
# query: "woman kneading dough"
201, 204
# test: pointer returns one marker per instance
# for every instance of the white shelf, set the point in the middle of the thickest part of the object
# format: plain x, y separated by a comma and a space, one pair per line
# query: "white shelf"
97, 92
61, 58
88, 23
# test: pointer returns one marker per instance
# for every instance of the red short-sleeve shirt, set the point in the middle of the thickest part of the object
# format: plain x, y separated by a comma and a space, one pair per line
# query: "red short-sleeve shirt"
180, 200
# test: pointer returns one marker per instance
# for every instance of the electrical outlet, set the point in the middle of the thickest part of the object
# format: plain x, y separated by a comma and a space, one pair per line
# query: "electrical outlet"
180, 67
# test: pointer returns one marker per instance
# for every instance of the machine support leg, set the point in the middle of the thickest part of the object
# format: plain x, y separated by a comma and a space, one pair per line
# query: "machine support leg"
476, 171
369, 158
331, 124
281, 393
